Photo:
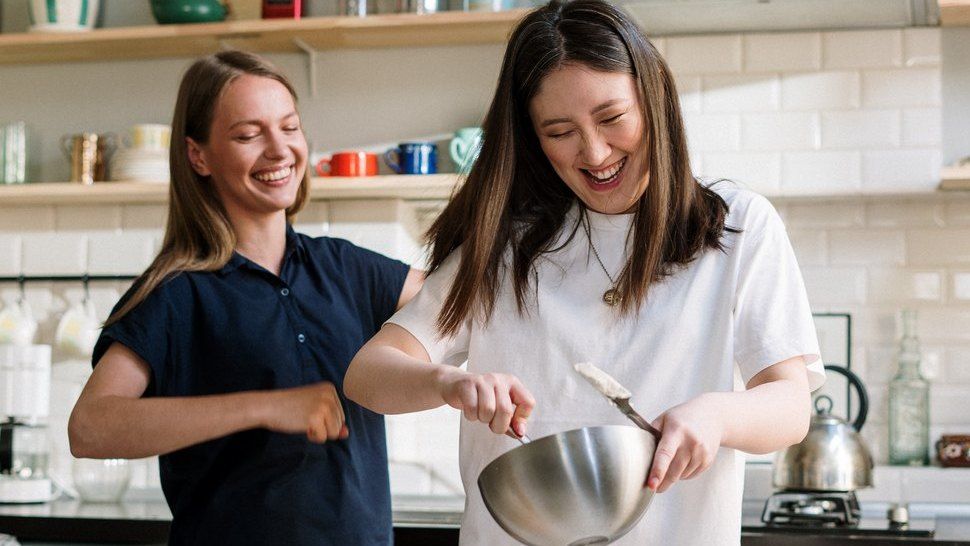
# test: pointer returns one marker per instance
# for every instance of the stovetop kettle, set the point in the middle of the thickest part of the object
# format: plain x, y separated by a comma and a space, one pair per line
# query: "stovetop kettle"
833, 456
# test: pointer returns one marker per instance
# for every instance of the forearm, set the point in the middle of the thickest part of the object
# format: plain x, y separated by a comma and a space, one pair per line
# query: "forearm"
131, 428
387, 380
765, 418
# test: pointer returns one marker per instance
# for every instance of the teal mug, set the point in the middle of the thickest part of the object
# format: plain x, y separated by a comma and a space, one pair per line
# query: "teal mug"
465, 147
169, 12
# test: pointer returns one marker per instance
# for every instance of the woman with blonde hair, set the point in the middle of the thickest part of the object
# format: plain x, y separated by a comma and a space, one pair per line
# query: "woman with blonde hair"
227, 355
582, 235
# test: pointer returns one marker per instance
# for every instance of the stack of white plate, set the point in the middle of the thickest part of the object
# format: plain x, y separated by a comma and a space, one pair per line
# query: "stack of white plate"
139, 165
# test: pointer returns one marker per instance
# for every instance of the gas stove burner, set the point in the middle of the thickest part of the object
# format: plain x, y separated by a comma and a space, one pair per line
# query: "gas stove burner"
812, 509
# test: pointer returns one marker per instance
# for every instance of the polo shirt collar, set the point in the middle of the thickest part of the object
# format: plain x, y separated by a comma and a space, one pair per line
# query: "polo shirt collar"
294, 245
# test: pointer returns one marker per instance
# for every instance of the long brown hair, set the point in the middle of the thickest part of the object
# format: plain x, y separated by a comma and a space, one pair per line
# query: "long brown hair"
198, 234
513, 199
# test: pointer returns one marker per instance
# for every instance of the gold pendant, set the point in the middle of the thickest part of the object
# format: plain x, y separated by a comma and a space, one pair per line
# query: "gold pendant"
611, 297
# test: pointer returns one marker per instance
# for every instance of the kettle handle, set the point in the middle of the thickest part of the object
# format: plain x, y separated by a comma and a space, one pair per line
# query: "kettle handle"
860, 389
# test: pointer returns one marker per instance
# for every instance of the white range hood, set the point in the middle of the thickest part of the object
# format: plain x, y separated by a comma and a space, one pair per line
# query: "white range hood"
663, 17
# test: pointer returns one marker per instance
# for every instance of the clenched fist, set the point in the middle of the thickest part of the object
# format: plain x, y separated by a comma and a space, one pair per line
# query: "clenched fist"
314, 410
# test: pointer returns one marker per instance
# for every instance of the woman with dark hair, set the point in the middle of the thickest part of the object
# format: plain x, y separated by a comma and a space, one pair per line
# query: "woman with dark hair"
227, 354
582, 235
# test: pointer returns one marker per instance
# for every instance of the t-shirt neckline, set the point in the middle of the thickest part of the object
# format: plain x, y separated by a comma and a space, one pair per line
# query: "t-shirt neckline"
603, 222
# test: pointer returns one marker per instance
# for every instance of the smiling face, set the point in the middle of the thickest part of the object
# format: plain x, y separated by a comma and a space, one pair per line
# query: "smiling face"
256, 154
590, 126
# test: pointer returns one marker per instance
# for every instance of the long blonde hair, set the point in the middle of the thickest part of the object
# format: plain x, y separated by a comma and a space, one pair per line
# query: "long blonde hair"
198, 234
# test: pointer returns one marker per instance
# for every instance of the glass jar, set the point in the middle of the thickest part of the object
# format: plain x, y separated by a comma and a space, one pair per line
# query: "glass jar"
101, 480
909, 401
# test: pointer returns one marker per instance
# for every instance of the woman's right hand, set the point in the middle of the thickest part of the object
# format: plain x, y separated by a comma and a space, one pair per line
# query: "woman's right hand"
497, 399
314, 410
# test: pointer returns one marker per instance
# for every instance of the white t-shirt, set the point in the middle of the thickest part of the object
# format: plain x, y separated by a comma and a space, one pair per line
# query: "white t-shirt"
739, 310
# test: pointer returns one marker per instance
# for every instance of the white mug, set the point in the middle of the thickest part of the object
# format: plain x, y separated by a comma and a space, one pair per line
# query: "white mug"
78, 330
17, 324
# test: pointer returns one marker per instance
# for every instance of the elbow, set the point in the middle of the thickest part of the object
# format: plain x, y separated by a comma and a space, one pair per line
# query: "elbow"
353, 384
80, 433
801, 430
802, 422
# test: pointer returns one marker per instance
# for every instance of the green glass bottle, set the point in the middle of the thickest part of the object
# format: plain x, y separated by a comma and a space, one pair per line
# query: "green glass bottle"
909, 402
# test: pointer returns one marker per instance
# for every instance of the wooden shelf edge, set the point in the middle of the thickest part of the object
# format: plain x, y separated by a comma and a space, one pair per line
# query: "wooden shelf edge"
436, 186
954, 13
268, 35
955, 178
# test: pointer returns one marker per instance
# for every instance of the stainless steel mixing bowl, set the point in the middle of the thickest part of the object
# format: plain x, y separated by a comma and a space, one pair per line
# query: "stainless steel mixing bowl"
579, 487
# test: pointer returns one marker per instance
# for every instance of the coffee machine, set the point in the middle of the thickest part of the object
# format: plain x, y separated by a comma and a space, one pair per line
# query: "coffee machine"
25, 378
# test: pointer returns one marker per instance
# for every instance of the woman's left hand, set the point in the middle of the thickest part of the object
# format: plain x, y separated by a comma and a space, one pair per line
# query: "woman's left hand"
691, 435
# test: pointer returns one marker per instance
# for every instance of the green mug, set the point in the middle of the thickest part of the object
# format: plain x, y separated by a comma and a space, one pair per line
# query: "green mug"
465, 147
168, 12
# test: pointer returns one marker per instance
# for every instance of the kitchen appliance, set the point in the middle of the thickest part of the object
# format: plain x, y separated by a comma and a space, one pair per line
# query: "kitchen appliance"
25, 375
834, 514
580, 487
817, 478
832, 457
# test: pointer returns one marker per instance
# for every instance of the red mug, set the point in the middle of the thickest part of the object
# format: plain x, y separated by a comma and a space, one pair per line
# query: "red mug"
348, 164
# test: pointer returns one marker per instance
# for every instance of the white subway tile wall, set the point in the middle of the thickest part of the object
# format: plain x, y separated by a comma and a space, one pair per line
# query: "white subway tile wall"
873, 256
901, 170
9, 254
805, 93
789, 114
862, 49
740, 93
921, 46
782, 52
868, 256
922, 127
821, 172
851, 129
820, 90
704, 54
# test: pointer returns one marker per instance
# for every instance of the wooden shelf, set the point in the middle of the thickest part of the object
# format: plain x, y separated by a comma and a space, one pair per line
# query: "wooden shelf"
269, 35
955, 178
436, 186
955, 13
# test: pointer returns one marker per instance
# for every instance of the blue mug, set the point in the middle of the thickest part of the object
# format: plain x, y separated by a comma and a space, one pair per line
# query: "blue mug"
413, 158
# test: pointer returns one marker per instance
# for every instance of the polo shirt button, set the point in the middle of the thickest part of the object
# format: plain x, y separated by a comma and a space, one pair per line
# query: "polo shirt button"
285, 291
301, 337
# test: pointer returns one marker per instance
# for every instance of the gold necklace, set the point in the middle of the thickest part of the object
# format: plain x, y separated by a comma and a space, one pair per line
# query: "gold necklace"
612, 295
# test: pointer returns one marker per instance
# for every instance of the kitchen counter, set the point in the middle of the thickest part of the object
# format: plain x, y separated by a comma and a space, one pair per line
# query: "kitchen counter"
418, 520
429, 521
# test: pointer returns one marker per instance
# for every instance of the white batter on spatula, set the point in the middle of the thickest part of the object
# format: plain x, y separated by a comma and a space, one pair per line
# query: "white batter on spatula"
609, 387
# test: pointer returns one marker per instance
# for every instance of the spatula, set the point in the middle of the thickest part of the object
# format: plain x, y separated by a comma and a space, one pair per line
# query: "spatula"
617, 394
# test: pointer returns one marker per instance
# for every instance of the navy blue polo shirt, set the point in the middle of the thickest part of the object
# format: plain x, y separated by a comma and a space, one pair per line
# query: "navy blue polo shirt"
243, 328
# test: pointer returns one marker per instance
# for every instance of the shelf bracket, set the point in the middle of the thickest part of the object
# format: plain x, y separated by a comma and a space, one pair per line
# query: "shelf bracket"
311, 63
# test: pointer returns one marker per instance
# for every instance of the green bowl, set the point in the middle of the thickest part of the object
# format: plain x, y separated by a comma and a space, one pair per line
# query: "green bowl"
168, 12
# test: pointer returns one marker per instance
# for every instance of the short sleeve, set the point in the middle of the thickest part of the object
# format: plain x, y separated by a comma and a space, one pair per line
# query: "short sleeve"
420, 316
146, 330
382, 277
772, 318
